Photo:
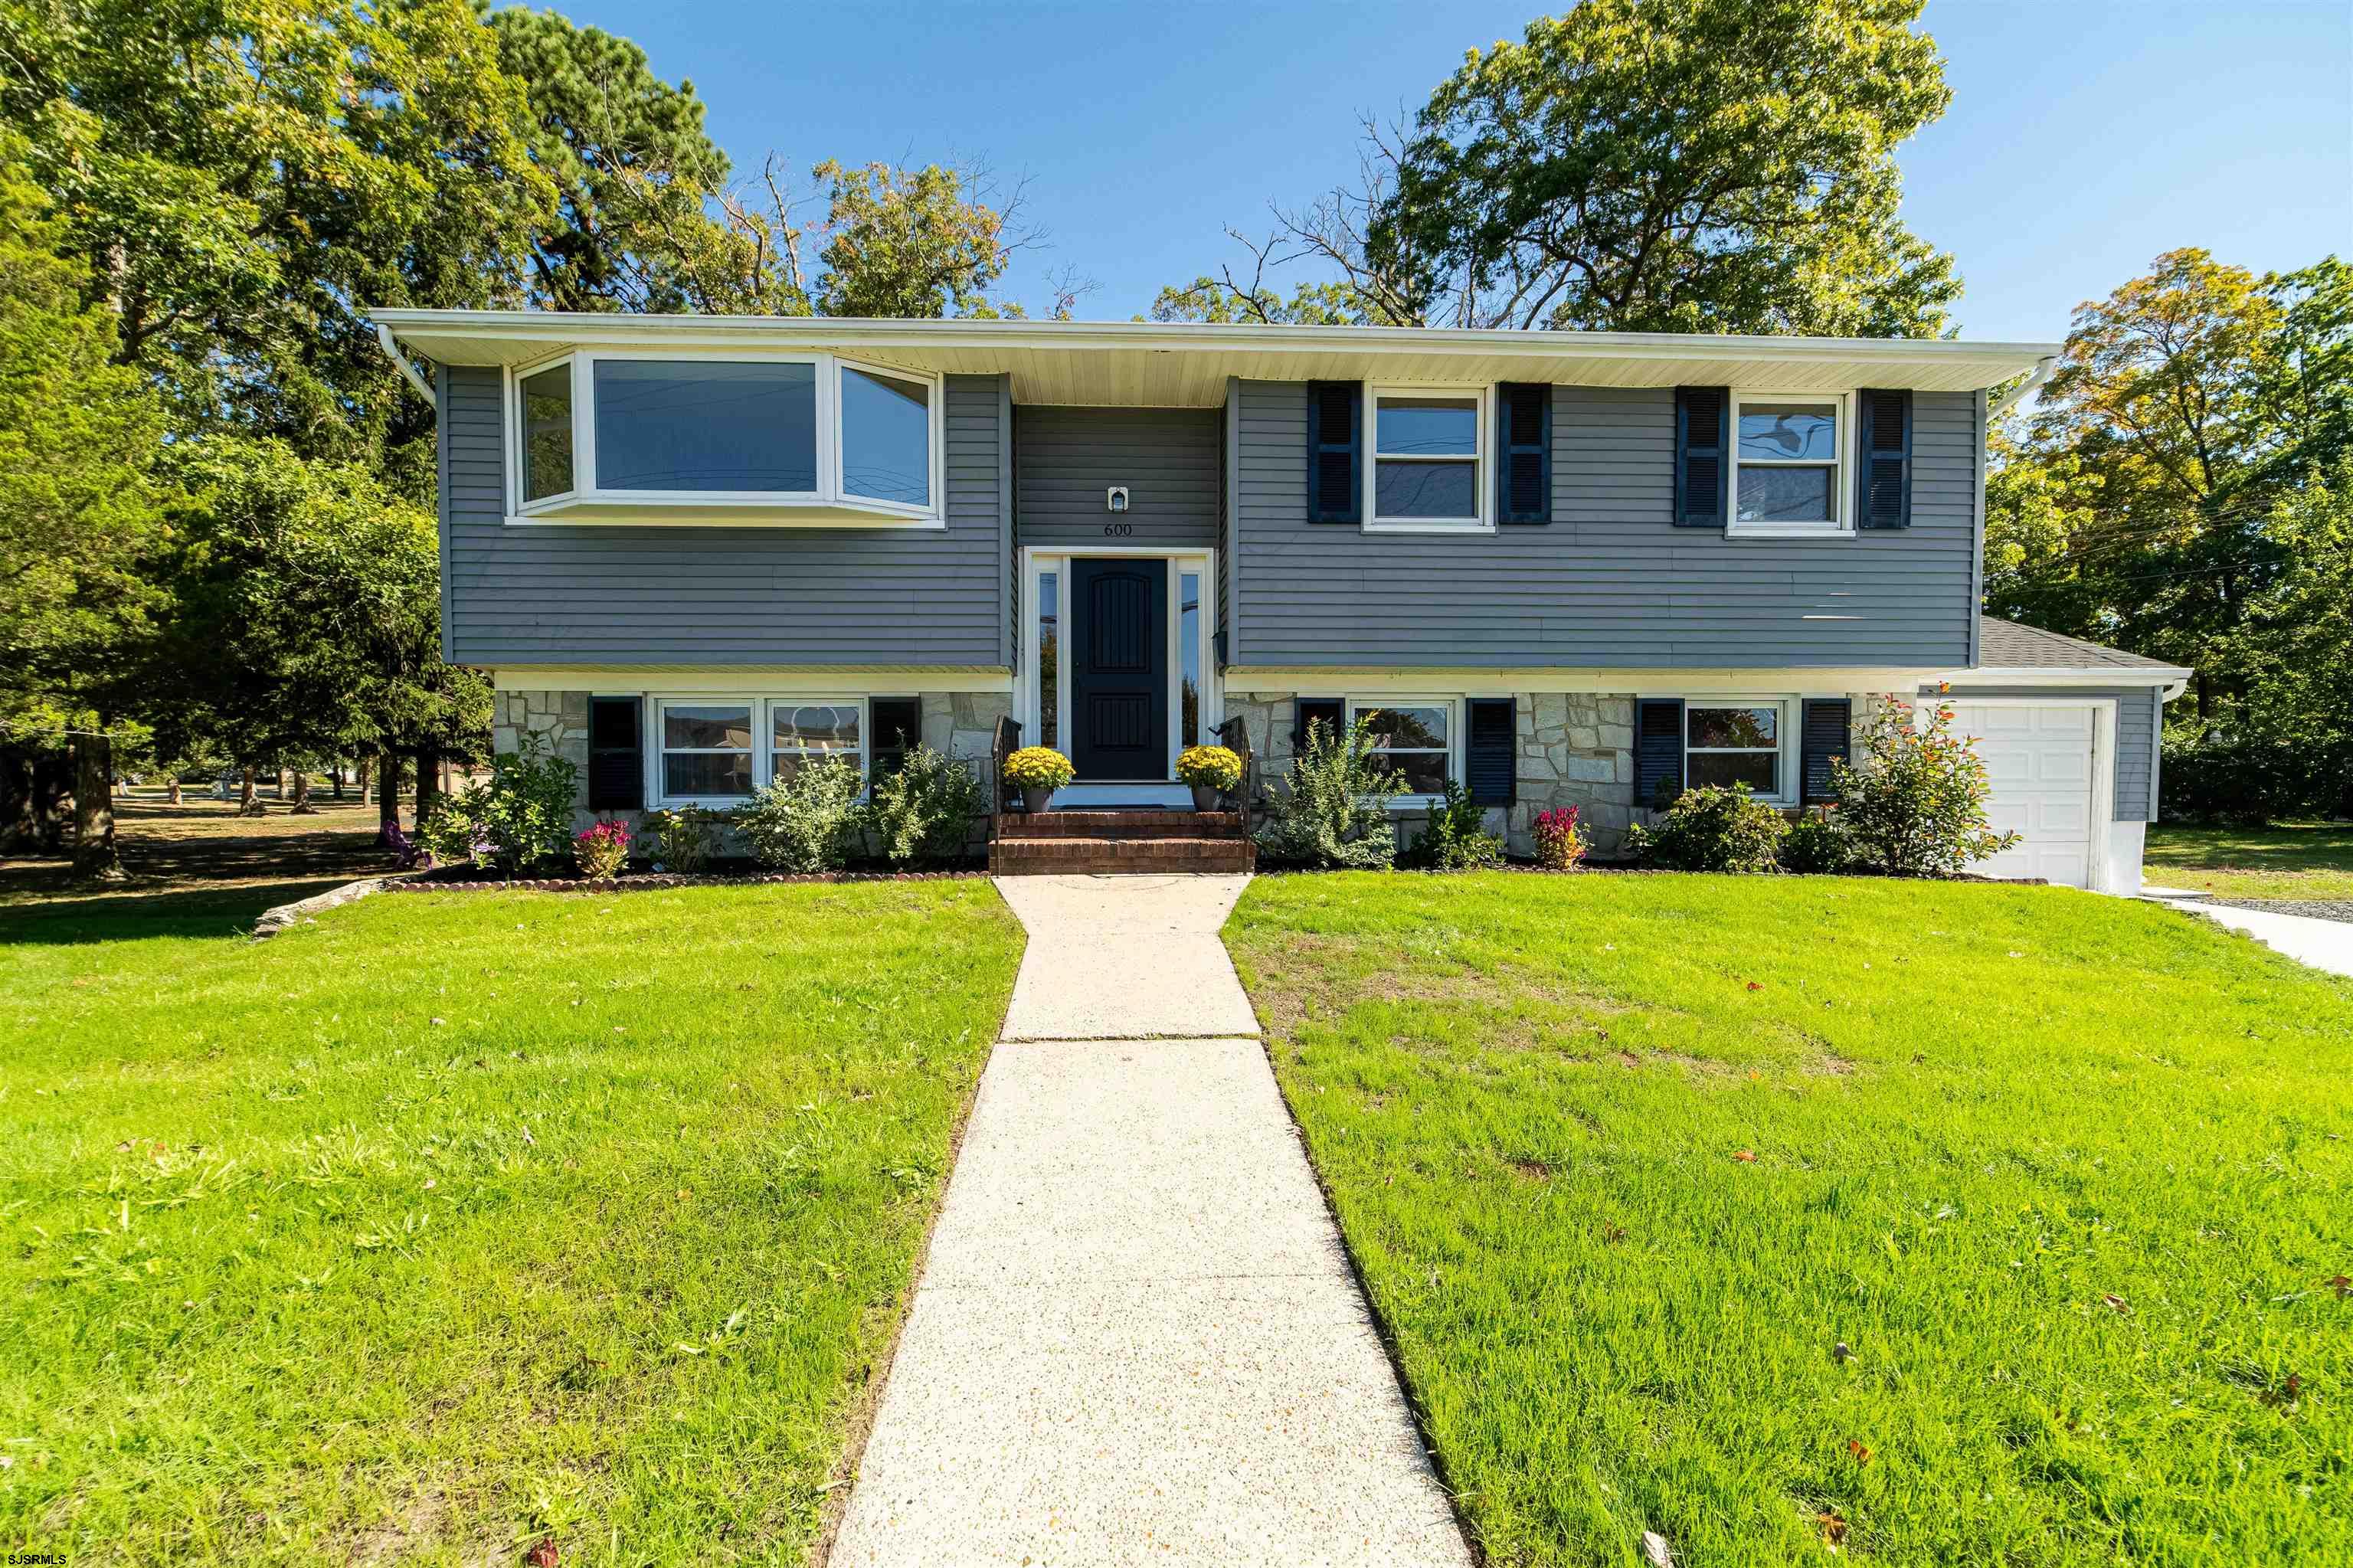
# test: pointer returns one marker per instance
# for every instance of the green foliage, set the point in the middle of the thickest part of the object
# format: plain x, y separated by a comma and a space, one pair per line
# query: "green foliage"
1456, 838
1916, 805
906, 243
1712, 829
2019, 1150
1816, 843
1646, 166
1331, 812
1227, 302
809, 820
684, 839
923, 813
518, 819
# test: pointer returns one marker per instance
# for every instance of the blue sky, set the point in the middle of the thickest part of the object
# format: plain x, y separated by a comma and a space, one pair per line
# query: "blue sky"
2083, 138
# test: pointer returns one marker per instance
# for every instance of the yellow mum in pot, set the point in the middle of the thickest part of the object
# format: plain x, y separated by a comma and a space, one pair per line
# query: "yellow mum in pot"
1039, 767
1209, 767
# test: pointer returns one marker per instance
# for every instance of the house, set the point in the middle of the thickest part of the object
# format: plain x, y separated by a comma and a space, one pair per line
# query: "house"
1563, 567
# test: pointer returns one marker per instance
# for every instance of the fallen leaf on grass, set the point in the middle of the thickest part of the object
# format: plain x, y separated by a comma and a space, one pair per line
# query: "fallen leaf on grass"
1834, 1529
543, 1554
1855, 1447
2342, 1286
1655, 1547
1754, 985
1746, 1157
2285, 1396
1613, 1235
2117, 1305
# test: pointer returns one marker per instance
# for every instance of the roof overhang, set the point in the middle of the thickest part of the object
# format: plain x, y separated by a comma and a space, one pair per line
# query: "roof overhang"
1186, 363
2171, 676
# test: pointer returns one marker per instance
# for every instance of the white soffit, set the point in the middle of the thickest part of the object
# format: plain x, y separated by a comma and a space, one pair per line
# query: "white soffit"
1186, 365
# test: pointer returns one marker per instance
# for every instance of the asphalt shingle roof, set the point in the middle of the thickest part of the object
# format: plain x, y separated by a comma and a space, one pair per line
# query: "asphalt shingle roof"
2005, 645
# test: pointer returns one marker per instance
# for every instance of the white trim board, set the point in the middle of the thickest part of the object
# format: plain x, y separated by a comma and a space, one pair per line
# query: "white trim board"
1038, 560
1651, 681
768, 680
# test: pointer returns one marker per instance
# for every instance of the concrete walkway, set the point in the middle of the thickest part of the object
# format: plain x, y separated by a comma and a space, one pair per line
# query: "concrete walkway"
1136, 1338
2323, 944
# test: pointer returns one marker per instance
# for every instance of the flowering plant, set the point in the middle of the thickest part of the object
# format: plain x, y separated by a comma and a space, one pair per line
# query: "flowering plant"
1209, 767
602, 851
1039, 767
1916, 806
1561, 837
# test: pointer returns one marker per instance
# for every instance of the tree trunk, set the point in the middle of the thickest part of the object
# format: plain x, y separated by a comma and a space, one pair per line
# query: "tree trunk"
248, 804
172, 784
428, 780
95, 857
364, 768
19, 833
303, 807
336, 773
50, 773
388, 815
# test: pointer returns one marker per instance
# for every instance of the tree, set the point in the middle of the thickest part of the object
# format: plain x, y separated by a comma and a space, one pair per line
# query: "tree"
78, 436
902, 243
1655, 166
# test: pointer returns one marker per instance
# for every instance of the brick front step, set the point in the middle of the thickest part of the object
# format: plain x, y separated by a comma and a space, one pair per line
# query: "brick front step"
1067, 853
1123, 825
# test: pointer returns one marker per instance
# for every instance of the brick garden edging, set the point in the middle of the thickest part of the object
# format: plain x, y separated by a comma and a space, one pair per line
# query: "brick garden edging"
654, 881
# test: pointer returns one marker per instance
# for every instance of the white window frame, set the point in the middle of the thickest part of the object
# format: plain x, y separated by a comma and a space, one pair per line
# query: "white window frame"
1840, 525
1027, 696
1784, 738
763, 738
1481, 458
826, 504
1453, 706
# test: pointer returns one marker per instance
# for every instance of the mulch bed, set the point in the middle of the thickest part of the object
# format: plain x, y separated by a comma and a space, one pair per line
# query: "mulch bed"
652, 881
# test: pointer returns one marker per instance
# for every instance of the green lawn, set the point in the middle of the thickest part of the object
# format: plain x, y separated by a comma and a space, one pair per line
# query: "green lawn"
2293, 860
453, 1222
1625, 1160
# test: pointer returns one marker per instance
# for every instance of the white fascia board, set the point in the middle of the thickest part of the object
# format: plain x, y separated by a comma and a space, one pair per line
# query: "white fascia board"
762, 680
1336, 681
2054, 676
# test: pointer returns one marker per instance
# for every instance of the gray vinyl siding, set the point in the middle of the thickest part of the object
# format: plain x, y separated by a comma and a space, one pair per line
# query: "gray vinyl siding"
1611, 581
2140, 720
1169, 459
602, 593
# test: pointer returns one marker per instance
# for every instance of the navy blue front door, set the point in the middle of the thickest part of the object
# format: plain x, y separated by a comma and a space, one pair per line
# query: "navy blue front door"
1118, 669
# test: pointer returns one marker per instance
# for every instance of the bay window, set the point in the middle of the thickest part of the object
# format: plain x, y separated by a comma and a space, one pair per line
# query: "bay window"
1428, 459
1789, 459
805, 438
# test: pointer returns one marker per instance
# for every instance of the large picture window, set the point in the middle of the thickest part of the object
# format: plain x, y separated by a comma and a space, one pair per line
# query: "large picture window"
719, 751
1428, 463
701, 425
1788, 459
1413, 738
604, 434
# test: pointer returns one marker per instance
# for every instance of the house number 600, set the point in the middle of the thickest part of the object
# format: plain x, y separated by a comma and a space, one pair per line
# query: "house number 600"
1118, 530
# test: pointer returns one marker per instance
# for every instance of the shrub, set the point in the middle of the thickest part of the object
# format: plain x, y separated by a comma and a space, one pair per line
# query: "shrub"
810, 820
684, 839
1456, 837
2248, 782
517, 818
1039, 767
1916, 806
923, 813
1712, 829
1561, 839
1332, 811
602, 851
1209, 767
1818, 843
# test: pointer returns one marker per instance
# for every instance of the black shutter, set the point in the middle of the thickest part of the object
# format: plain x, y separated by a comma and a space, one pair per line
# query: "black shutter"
1657, 750
1335, 475
1489, 752
617, 763
1821, 738
1307, 710
1883, 488
1702, 458
1523, 487
897, 727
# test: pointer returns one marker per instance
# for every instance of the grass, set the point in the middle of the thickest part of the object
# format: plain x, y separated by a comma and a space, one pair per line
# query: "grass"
203, 846
2293, 860
456, 1222
1625, 1160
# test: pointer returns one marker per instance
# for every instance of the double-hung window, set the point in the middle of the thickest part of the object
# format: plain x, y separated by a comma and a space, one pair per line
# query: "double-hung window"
1413, 738
748, 438
1789, 464
718, 751
1731, 741
1428, 472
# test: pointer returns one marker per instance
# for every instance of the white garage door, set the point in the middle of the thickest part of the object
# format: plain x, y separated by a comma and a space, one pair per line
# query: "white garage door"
2040, 757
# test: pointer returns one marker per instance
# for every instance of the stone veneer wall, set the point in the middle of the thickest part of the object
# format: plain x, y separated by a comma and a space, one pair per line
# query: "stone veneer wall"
1574, 748
961, 723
